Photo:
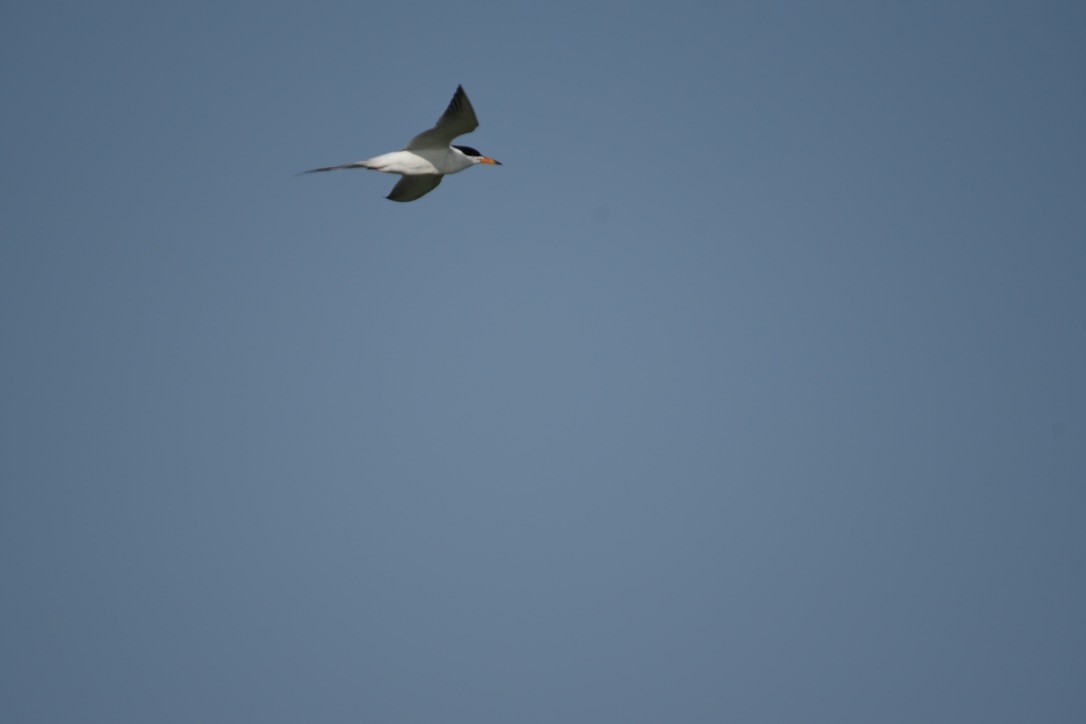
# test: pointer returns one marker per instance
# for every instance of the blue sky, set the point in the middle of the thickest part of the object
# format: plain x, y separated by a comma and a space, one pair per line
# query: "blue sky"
750, 388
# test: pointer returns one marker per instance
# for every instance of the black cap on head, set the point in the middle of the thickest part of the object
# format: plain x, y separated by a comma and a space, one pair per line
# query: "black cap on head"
467, 150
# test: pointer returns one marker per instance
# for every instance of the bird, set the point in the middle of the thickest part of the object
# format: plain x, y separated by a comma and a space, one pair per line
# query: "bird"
430, 156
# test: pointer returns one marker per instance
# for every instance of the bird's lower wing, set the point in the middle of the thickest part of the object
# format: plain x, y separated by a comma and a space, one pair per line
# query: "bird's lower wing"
409, 188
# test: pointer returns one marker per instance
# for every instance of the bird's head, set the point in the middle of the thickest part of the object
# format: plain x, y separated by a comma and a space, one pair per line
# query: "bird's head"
475, 156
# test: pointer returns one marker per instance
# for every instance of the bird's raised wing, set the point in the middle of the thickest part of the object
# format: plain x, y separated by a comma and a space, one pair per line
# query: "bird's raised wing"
409, 188
458, 119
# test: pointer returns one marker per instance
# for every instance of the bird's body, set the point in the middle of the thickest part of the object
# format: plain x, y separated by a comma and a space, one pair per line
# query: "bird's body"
428, 157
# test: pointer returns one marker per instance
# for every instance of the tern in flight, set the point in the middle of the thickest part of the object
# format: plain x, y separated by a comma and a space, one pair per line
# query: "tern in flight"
428, 156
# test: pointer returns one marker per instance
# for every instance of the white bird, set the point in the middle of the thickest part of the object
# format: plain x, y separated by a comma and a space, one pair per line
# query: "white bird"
429, 156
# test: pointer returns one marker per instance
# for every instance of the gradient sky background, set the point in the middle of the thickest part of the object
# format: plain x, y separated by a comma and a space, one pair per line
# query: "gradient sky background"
751, 388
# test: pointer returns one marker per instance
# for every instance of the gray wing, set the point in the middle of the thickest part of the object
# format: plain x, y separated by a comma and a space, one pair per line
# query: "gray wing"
409, 188
458, 119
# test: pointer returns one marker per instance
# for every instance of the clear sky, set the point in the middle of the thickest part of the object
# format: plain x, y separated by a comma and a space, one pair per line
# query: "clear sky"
751, 388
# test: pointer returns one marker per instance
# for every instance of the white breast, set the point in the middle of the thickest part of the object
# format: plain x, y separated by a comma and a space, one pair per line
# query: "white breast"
420, 161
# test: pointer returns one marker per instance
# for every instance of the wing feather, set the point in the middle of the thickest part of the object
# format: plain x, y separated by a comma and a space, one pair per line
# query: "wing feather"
458, 119
409, 188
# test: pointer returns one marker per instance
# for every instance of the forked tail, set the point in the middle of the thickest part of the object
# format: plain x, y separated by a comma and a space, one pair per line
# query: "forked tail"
356, 164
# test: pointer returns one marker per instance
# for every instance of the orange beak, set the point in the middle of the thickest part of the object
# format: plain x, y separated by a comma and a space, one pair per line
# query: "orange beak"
484, 159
